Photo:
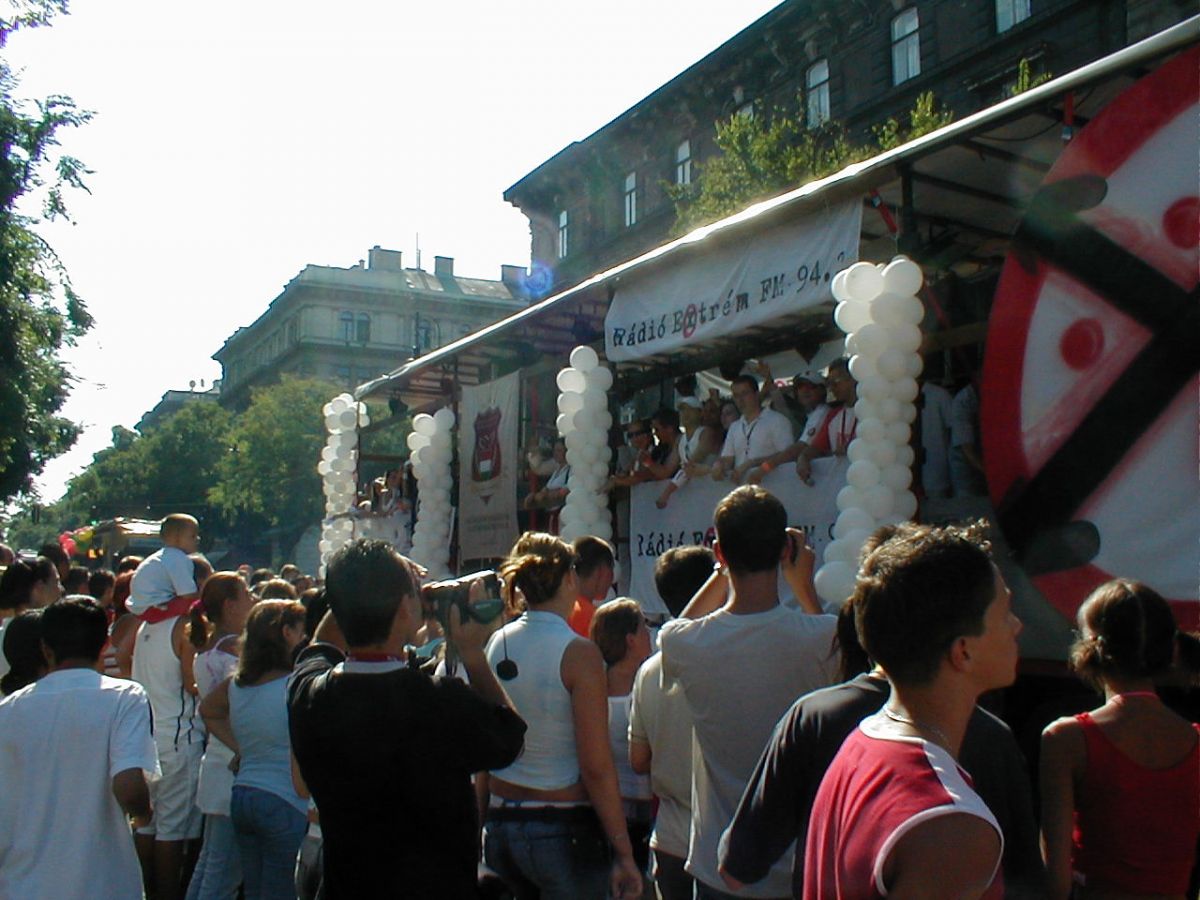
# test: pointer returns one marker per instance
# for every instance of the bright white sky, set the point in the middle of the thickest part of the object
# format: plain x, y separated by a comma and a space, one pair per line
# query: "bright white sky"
235, 142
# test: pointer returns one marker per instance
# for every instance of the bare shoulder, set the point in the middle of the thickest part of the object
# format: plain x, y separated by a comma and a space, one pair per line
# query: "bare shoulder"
1063, 732
581, 660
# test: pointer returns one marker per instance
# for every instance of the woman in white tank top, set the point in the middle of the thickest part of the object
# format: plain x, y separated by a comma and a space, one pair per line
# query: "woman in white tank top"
555, 812
215, 626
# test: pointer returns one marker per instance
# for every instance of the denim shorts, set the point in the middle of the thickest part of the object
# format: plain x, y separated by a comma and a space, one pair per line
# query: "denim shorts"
560, 855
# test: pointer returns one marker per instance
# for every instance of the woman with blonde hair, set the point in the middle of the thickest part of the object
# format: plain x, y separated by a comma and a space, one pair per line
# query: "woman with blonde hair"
1120, 785
249, 713
555, 812
215, 625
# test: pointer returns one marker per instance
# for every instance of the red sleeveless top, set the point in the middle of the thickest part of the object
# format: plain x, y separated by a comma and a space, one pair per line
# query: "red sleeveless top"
1135, 828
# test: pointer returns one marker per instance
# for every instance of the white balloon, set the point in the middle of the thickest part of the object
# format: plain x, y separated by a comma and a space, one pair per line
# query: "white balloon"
889, 410
600, 377
865, 409
851, 316
333, 422
323, 467
849, 497
905, 455
906, 504
444, 418
852, 520
864, 282
898, 432
897, 477
911, 310
584, 358
348, 418
834, 582
862, 367
888, 309
594, 400
902, 276
872, 339
338, 404
883, 454
341, 464
571, 380
570, 402
859, 449
908, 413
878, 500
364, 419
891, 364
440, 440
862, 474
871, 430
423, 423
563, 423
838, 551
905, 390
574, 439
857, 538
905, 337
874, 388
913, 365
838, 286
605, 421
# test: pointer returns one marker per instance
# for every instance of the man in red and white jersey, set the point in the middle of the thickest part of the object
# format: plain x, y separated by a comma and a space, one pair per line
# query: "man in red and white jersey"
895, 814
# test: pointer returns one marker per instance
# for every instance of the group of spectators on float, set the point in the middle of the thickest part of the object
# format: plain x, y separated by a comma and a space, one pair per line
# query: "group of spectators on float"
751, 747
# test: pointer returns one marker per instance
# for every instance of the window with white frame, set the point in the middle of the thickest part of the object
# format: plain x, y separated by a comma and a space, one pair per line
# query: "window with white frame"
363, 329
564, 234
346, 323
906, 46
631, 199
683, 163
1010, 13
816, 82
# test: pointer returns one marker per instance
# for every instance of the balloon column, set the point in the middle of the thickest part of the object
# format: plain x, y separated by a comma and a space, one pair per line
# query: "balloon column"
881, 316
583, 422
339, 462
431, 451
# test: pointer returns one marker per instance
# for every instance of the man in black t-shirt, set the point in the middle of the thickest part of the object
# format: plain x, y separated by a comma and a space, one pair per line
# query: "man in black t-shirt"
387, 751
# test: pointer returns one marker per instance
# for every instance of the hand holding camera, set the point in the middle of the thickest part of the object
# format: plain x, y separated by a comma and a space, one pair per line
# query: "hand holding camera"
468, 608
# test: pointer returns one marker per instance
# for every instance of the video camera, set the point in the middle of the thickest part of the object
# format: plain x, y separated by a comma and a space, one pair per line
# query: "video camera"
439, 597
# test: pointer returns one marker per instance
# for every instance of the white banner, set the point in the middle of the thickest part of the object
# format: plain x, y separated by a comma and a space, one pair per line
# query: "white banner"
487, 460
736, 285
688, 518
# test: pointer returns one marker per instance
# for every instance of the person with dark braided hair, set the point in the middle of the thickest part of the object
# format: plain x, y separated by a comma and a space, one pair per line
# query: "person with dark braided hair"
1121, 784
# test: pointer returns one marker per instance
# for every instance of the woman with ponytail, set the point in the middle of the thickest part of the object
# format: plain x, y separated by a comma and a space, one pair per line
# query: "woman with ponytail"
555, 812
215, 623
1120, 785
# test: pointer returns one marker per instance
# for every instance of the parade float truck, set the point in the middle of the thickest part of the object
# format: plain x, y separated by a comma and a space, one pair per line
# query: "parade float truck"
1057, 235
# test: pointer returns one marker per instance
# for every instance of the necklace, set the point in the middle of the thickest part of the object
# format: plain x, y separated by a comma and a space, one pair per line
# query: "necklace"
919, 726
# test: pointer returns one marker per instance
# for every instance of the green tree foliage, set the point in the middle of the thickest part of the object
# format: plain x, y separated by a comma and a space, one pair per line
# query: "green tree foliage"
271, 470
763, 156
1025, 79
39, 312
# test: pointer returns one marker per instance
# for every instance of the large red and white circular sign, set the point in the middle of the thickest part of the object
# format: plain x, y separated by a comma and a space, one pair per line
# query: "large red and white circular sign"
1090, 380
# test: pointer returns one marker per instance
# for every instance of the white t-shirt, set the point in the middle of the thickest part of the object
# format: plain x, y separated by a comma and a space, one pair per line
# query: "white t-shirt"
62, 739
632, 785
813, 423
740, 674
659, 716
935, 439
160, 578
767, 435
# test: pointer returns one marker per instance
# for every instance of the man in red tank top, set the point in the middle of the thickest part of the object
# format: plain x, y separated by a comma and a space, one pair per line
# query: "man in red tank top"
895, 814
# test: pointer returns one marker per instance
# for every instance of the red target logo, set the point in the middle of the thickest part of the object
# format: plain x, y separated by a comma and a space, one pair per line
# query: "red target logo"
1092, 371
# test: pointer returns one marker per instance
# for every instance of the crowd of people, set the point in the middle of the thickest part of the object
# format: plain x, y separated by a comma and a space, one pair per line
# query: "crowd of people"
255, 735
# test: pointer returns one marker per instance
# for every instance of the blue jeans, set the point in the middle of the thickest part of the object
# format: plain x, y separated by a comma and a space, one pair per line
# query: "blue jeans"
268, 831
218, 872
549, 860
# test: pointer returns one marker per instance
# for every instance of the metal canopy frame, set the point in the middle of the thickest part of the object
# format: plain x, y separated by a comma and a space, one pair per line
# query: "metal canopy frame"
962, 188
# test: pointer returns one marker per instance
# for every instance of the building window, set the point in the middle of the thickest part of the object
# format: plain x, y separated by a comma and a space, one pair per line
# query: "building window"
346, 321
906, 46
1010, 13
631, 198
683, 163
564, 234
424, 337
816, 82
363, 331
